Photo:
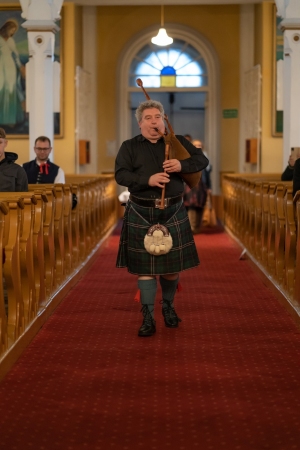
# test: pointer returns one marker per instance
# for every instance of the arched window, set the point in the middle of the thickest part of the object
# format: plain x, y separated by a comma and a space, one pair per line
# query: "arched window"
179, 65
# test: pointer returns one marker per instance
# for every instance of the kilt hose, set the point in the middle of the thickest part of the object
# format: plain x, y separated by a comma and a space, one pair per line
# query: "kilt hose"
132, 253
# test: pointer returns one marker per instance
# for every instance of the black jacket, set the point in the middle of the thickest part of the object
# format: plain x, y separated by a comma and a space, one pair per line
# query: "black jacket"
296, 177
35, 176
287, 175
13, 177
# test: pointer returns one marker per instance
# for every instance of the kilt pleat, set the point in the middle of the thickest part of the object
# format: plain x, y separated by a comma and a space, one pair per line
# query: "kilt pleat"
132, 253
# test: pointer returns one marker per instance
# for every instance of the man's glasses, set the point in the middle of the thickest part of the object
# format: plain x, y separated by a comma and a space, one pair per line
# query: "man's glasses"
40, 149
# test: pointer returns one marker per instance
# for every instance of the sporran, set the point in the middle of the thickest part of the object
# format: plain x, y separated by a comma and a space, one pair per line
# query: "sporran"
158, 240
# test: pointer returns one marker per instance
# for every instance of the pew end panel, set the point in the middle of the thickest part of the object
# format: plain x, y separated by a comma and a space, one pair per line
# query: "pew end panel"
3, 297
11, 266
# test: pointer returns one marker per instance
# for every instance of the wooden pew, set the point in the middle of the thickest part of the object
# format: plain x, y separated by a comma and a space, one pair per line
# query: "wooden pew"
67, 228
98, 195
292, 277
279, 245
26, 257
38, 247
3, 316
266, 188
82, 215
262, 213
47, 246
11, 266
49, 191
297, 264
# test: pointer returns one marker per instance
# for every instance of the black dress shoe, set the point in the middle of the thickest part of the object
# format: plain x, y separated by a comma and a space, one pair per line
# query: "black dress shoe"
170, 316
148, 327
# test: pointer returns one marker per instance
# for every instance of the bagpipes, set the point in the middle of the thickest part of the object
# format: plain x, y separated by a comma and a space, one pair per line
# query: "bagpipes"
174, 150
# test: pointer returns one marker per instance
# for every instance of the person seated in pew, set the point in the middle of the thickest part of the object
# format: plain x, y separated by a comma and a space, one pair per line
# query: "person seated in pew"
12, 176
288, 173
41, 170
296, 176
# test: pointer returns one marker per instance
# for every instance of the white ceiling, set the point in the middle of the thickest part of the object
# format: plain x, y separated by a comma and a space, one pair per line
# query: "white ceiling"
153, 2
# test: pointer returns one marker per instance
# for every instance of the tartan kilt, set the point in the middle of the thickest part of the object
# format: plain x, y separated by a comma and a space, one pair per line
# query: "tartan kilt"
132, 253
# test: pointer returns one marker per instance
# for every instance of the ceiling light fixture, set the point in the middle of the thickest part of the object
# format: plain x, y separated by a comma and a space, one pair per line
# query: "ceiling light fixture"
162, 38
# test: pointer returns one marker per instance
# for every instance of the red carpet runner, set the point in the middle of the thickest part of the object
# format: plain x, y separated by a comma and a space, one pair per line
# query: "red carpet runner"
228, 378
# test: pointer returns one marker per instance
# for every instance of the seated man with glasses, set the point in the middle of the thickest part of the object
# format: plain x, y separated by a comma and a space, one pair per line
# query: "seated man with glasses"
41, 170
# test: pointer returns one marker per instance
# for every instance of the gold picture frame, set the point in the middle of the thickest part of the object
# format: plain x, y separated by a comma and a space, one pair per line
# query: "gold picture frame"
13, 58
278, 54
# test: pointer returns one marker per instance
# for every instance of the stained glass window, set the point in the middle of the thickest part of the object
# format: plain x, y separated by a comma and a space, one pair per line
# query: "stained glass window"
179, 65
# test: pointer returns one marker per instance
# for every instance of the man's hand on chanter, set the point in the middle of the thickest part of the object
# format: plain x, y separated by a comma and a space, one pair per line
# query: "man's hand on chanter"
159, 179
172, 165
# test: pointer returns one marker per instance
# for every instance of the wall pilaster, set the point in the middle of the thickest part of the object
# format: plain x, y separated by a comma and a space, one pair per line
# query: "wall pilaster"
41, 28
290, 25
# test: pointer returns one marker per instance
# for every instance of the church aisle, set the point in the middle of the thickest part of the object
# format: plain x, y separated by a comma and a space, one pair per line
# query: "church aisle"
227, 378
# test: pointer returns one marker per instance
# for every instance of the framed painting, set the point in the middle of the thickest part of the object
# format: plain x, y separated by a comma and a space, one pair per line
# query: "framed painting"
14, 56
278, 54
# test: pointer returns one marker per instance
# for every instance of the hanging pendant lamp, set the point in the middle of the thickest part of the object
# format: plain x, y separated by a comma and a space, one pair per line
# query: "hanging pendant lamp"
162, 38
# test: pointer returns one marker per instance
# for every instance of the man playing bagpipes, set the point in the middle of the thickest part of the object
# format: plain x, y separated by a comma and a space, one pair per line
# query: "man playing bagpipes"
156, 238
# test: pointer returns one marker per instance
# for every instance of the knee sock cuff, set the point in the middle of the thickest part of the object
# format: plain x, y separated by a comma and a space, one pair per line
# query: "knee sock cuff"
147, 284
168, 283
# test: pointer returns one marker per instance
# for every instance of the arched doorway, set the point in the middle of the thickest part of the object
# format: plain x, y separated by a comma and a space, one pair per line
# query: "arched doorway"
204, 98
177, 77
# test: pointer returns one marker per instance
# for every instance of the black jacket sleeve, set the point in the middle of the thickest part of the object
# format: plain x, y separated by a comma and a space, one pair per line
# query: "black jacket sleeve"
296, 177
196, 162
21, 180
126, 174
287, 175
